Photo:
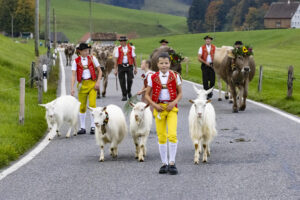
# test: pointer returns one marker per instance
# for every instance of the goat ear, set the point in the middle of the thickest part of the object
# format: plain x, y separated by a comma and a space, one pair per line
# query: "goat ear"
147, 105
208, 101
131, 104
209, 91
191, 101
104, 109
196, 89
43, 105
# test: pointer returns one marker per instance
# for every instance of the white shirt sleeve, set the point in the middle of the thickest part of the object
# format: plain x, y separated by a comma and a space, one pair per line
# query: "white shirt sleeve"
200, 51
149, 80
116, 53
178, 80
74, 65
95, 60
133, 53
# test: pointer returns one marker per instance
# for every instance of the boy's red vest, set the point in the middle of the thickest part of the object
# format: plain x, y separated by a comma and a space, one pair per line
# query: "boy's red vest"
157, 86
205, 52
80, 68
129, 55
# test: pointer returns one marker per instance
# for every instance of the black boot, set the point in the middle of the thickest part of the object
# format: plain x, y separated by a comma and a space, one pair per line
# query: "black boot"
163, 169
173, 170
92, 132
124, 98
81, 131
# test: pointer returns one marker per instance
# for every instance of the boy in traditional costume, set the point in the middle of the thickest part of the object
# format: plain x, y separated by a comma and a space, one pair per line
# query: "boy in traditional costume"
83, 68
166, 93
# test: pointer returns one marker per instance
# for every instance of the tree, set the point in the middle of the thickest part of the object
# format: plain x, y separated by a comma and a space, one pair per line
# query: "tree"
25, 16
213, 16
255, 18
7, 14
196, 16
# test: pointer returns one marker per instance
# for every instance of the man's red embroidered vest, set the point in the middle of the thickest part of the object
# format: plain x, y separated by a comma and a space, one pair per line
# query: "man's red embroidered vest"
121, 55
157, 86
205, 52
146, 79
80, 68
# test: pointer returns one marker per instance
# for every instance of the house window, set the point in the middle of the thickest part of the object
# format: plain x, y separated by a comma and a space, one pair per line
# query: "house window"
278, 24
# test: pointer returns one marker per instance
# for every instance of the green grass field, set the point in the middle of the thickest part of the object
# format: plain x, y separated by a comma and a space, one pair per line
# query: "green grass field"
275, 50
73, 19
15, 63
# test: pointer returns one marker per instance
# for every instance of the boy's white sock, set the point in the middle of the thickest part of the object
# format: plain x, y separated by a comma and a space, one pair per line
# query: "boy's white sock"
82, 120
163, 151
172, 151
92, 120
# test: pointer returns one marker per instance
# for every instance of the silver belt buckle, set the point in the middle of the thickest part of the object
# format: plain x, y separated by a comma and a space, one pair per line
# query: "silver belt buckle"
126, 65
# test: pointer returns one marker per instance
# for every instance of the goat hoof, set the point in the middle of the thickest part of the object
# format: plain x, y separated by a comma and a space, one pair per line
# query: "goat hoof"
219, 99
101, 160
136, 157
196, 162
204, 160
141, 160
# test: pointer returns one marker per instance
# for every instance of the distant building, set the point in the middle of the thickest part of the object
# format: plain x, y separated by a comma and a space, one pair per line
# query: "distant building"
105, 39
85, 39
26, 35
60, 38
283, 15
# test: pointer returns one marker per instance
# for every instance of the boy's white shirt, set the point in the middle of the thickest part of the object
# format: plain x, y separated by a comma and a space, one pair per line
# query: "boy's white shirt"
164, 94
84, 61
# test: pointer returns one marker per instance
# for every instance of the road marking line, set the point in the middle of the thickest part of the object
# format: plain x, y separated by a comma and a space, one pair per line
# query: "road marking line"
44, 142
268, 107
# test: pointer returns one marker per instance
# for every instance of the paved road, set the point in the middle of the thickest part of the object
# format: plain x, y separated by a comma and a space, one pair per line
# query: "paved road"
266, 166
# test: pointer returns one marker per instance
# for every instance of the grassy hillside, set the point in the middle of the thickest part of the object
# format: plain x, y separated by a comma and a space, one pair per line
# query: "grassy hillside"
275, 50
73, 20
15, 63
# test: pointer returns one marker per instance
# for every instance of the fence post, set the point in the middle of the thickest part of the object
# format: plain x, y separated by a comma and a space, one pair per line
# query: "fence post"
290, 81
187, 68
260, 78
32, 74
22, 101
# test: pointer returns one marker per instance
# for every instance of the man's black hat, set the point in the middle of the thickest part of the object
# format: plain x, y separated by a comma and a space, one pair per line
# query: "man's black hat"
206, 37
123, 38
83, 46
238, 43
164, 41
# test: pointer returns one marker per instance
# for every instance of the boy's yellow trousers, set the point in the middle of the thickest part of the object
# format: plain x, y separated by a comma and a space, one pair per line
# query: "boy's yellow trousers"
164, 119
87, 90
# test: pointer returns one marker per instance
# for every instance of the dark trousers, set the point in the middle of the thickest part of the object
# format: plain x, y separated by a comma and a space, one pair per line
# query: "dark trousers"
124, 72
208, 76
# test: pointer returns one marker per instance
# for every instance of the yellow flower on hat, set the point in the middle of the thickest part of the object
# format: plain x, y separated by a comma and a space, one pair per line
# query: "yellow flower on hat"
171, 57
245, 50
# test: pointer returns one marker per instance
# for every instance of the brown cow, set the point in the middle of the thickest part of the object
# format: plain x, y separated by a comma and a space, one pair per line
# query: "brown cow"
69, 51
154, 57
237, 77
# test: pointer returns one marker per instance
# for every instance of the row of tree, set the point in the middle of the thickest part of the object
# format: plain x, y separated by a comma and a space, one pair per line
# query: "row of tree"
17, 16
227, 15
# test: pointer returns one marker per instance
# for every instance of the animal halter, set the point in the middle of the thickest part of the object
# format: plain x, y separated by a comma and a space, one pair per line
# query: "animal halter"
105, 122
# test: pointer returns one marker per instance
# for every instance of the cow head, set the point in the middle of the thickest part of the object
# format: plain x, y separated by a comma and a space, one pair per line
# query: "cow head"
199, 105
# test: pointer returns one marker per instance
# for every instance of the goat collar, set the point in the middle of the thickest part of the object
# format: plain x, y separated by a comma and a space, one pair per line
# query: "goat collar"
105, 122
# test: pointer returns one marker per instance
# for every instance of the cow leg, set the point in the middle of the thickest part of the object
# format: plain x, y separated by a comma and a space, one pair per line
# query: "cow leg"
226, 93
219, 87
234, 94
105, 81
245, 95
240, 95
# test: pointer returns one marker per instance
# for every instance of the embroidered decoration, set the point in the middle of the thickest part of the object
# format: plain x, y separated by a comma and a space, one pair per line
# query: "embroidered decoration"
105, 122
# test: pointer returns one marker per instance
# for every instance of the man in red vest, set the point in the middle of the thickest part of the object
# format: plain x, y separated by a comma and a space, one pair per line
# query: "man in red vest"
206, 55
124, 63
83, 69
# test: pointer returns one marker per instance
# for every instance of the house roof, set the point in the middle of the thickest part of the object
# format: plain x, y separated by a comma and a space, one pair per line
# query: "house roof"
282, 10
104, 36
85, 38
60, 37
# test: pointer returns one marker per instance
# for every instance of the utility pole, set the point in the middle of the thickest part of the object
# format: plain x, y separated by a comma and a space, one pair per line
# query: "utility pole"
36, 28
12, 25
54, 29
91, 19
47, 23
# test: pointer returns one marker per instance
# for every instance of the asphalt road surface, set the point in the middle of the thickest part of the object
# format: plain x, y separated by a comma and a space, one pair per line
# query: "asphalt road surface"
256, 155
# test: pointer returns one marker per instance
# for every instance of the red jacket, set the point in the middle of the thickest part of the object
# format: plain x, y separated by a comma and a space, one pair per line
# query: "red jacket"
157, 86
205, 52
121, 55
80, 68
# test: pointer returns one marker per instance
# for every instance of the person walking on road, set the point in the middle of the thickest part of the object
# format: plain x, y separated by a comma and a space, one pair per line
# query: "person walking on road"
83, 68
165, 86
124, 64
206, 56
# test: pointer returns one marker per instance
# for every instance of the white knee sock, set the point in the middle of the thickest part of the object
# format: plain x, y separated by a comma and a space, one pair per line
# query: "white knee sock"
82, 120
92, 120
163, 151
172, 151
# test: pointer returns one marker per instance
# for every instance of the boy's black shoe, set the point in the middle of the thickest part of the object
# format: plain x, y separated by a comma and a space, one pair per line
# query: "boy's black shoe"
163, 169
81, 131
129, 95
92, 132
124, 98
173, 170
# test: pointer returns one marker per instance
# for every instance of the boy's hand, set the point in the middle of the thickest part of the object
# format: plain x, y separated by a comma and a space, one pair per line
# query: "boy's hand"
72, 91
171, 106
97, 85
116, 72
139, 92
158, 107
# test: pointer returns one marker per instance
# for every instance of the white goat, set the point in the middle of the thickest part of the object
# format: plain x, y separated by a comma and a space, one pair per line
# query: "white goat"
202, 127
140, 126
110, 128
63, 109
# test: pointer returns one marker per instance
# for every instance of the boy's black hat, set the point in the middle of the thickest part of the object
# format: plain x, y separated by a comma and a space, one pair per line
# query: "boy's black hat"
83, 46
206, 37
123, 38
164, 41
238, 43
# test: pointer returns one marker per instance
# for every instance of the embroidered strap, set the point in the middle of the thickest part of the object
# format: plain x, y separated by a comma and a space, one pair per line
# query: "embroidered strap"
105, 122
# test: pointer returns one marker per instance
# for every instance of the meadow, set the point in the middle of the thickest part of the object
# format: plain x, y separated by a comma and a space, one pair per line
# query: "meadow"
275, 50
